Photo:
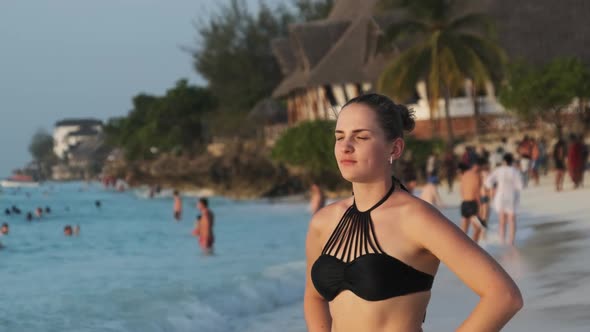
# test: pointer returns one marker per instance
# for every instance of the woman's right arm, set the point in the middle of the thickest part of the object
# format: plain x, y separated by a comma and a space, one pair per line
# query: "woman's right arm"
315, 307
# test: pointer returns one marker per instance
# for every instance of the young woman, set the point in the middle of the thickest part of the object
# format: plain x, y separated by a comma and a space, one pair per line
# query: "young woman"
372, 258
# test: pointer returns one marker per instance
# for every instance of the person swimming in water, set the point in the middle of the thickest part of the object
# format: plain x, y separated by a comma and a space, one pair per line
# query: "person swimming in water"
5, 229
39, 212
68, 230
372, 258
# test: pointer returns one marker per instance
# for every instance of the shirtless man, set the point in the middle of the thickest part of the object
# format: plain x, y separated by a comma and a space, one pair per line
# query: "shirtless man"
470, 193
317, 198
205, 228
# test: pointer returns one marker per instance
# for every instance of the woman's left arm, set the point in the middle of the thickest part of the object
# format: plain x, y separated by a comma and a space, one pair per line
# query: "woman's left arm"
500, 298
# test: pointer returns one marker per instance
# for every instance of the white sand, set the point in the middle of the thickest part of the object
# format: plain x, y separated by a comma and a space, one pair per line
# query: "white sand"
551, 265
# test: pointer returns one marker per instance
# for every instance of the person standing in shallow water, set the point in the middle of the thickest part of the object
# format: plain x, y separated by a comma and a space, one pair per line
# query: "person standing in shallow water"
177, 208
317, 199
205, 228
400, 240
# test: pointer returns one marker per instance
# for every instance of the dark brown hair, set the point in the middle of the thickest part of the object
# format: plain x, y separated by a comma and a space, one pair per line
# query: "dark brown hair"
393, 118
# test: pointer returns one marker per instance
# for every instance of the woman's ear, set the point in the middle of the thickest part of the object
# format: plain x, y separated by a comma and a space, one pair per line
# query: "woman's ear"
397, 148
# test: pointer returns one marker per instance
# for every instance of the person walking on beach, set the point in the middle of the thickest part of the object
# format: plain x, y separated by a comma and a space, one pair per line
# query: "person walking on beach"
470, 194
430, 192
559, 154
535, 161
450, 166
484, 201
509, 184
317, 199
177, 208
205, 227
525, 150
372, 258
575, 162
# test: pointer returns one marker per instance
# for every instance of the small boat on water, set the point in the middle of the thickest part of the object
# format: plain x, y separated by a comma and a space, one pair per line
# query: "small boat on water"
18, 181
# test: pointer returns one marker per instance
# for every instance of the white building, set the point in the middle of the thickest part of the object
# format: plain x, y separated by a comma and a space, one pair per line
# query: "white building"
69, 133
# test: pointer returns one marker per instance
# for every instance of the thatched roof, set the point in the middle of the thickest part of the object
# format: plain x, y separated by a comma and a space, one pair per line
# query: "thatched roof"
343, 47
335, 50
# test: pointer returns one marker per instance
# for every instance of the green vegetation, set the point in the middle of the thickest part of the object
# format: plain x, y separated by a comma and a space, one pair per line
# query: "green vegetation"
543, 92
174, 122
446, 47
236, 59
310, 146
422, 148
41, 149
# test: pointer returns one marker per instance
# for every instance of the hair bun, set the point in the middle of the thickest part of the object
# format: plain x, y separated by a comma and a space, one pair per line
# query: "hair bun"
408, 117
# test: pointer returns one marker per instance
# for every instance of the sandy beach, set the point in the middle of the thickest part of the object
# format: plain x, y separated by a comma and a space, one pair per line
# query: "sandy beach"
550, 264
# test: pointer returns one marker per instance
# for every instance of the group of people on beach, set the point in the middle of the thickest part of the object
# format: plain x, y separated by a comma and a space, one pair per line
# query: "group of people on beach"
203, 228
496, 180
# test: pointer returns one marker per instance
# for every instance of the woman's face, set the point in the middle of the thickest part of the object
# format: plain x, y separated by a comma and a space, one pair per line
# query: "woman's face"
361, 149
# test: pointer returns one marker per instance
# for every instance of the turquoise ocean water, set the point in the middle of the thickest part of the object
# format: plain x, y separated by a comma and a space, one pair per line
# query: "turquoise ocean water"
132, 268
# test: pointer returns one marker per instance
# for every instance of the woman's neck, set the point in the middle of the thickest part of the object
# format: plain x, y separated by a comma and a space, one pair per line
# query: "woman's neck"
367, 194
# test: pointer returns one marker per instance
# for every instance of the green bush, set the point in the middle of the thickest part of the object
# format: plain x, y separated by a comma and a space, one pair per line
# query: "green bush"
422, 148
310, 146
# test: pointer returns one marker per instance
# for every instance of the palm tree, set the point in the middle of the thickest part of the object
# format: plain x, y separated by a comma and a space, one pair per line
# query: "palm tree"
444, 48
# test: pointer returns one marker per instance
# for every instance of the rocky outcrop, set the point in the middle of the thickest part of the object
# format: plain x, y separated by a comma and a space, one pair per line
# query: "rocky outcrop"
243, 171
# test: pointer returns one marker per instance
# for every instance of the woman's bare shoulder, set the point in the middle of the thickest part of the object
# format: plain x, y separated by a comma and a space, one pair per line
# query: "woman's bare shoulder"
330, 213
415, 210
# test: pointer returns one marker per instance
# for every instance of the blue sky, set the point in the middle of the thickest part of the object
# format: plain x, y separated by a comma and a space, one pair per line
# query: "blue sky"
87, 58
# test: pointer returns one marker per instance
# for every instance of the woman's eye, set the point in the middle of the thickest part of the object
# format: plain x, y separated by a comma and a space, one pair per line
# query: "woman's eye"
339, 138
359, 137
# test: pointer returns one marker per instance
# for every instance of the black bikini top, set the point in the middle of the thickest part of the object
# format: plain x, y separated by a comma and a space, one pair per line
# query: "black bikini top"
352, 259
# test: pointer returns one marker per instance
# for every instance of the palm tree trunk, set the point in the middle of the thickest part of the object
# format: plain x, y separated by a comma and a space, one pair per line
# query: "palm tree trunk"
476, 111
450, 135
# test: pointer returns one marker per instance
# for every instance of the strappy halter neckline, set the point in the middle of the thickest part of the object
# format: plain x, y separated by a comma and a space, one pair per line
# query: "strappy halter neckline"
391, 190
352, 259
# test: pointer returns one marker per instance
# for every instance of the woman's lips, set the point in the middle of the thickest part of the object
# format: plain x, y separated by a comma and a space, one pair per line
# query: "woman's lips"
347, 162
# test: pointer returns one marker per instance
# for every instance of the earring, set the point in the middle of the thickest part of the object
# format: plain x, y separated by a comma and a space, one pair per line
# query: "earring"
390, 160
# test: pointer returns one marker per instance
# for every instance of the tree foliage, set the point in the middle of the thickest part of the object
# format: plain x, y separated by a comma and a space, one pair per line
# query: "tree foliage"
309, 145
543, 92
235, 55
445, 47
41, 146
175, 121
